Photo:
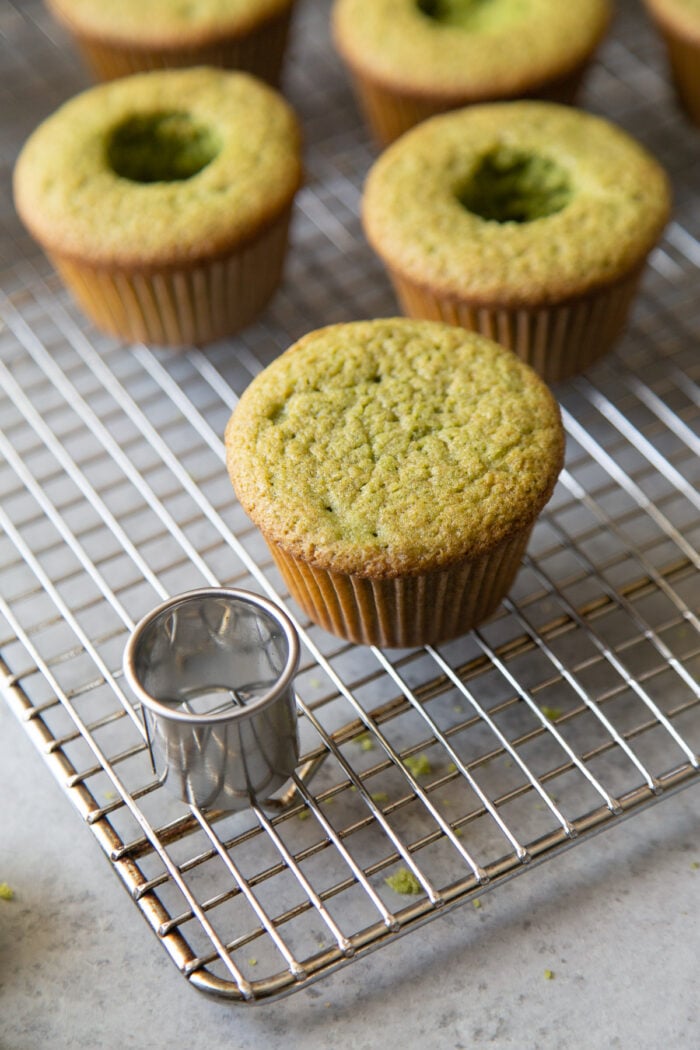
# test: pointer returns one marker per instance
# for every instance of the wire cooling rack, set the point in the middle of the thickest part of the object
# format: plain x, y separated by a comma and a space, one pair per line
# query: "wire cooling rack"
454, 768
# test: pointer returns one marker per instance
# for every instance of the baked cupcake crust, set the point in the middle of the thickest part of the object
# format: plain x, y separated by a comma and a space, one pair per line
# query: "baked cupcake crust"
166, 23
610, 203
394, 448
503, 49
74, 202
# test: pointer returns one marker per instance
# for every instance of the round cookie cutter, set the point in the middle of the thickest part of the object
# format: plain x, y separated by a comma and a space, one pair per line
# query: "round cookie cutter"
213, 670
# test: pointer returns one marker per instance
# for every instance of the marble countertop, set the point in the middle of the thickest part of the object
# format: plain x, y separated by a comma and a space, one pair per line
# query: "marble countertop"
615, 920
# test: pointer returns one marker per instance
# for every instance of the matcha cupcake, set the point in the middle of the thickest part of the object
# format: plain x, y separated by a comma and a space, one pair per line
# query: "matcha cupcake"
527, 221
411, 59
120, 37
678, 22
395, 469
164, 199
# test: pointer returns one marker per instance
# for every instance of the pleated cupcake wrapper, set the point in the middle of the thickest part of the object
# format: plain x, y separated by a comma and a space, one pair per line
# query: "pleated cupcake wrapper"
260, 52
409, 610
179, 306
557, 340
684, 62
390, 113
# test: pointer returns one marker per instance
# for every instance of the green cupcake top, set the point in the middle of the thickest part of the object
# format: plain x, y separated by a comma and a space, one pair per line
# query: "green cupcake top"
515, 203
141, 22
473, 48
392, 447
158, 166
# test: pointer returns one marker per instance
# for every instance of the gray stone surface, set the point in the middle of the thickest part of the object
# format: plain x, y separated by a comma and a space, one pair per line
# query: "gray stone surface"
614, 919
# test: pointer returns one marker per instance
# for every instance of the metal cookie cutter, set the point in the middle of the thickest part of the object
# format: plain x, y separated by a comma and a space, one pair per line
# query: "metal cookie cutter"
214, 670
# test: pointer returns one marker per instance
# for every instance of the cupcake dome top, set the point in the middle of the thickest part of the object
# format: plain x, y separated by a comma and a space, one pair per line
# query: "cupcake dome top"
516, 202
468, 47
393, 447
165, 22
162, 165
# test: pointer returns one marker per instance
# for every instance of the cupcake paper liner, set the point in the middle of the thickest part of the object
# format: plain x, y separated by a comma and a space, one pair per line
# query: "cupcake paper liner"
405, 611
558, 340
390, 113
181, 305
684, 63
260, 52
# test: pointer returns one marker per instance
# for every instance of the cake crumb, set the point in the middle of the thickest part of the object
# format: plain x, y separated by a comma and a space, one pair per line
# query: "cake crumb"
551, 713
418, 765
405, 882
6, 892
549, 975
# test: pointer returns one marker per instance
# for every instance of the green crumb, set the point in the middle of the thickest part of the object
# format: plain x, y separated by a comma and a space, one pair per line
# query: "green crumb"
365, 741
252, 962
452, 768
458, 832
476, 903
695, 865
380, 796
6, 892
404, 882
551, 713
418, 765
549, 975
315, 683
303, 814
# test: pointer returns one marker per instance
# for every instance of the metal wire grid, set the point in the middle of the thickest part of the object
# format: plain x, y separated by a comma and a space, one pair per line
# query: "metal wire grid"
460, 766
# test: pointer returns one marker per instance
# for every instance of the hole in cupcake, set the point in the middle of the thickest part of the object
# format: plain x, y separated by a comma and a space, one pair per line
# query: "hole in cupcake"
161, 147
511, 186
472, 14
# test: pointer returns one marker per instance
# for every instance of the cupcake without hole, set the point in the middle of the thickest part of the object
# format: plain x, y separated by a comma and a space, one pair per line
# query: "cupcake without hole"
163, 201
119, 37
678, 22
527, 221
411, 59
396, 469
